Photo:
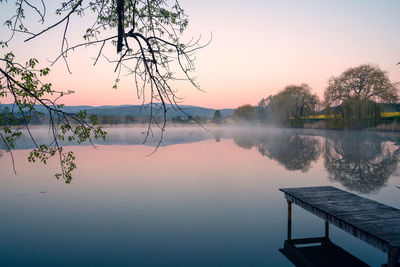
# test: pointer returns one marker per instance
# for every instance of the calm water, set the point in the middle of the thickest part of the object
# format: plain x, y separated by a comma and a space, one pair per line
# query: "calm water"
205, 198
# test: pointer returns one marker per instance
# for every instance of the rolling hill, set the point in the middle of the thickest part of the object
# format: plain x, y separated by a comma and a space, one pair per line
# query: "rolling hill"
138, 110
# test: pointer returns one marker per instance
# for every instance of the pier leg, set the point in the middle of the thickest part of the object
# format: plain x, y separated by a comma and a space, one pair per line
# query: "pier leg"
326, 229
393, 257
289, 221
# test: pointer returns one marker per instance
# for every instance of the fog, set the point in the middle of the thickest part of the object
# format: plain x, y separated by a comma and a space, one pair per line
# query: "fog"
245, 136
361, 161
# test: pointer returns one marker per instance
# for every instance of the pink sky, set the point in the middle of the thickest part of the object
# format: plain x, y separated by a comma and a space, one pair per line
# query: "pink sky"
258, 48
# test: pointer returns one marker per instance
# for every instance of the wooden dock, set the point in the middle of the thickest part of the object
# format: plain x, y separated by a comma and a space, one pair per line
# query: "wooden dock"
371, 221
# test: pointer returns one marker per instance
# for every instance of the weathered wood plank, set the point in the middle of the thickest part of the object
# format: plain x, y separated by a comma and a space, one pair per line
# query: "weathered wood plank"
368, 220
376, 242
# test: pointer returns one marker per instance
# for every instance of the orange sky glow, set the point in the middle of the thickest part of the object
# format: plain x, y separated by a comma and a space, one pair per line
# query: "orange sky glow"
258, 48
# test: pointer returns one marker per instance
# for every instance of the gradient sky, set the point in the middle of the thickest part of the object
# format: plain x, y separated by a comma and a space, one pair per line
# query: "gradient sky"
258, 48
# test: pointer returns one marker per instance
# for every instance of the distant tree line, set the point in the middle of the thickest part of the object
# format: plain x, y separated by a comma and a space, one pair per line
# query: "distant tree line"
352, 100
189, 119
7, 117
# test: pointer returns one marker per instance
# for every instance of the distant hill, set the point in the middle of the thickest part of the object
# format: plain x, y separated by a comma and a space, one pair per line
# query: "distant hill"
138, 110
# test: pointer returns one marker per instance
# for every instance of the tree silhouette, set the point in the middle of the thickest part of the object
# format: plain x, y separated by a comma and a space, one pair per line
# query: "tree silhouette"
146, 34
354, 95
245, 113
217, 118
293, 102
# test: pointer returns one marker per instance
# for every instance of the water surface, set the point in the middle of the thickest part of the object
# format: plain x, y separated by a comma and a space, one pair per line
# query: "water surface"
205, 198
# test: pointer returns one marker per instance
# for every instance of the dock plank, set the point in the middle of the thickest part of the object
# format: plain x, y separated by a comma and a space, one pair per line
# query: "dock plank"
371, 221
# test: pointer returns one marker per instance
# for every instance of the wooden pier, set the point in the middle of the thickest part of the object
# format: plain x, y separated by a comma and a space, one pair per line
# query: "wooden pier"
371, 221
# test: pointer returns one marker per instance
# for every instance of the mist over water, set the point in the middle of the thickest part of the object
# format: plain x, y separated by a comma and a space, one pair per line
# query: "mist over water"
205, 198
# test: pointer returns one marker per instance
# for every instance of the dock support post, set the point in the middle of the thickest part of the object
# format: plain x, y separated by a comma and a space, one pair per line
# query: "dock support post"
326, 229
393, 256
289, 222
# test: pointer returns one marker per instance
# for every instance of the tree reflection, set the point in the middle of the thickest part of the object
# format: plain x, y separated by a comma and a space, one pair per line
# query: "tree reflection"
245, 140
217, 136
292, 150
360, 162
295, 152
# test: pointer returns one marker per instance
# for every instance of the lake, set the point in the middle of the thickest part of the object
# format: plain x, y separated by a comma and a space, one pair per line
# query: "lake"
204, 198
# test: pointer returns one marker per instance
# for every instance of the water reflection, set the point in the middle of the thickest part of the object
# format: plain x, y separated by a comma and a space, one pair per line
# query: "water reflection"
361, 162
318, 252
293, 150
124, 135
245, 140
217, 135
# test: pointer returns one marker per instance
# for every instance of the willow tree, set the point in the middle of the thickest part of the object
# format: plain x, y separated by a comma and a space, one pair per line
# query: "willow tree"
245, 113
292, 103
356, 93
147, 38
265, 109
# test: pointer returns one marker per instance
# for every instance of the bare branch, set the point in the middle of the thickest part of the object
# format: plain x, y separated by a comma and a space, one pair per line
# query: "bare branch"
58, 23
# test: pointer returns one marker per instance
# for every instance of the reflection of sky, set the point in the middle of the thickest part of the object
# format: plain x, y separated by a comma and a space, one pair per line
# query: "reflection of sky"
198, 204
360, 161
